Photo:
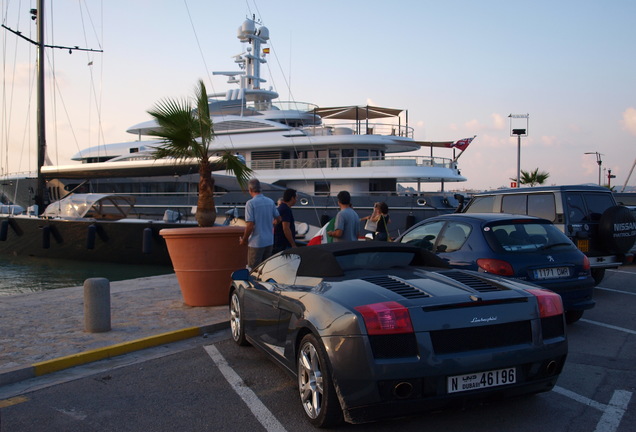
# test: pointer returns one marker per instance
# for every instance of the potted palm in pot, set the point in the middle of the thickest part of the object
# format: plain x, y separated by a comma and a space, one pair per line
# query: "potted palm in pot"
203, 257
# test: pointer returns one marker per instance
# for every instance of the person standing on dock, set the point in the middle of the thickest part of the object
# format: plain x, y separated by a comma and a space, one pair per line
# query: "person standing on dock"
260, 214
285, 231
378, 221
347, 222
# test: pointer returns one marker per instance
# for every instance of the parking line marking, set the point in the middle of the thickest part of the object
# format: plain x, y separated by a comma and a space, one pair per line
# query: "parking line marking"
582, 399
611, 418
612, 412
609, 326
620, 271
260, 411
615, 290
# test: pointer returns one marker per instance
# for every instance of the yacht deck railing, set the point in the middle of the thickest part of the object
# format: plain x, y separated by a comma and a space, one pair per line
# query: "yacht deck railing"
350, 162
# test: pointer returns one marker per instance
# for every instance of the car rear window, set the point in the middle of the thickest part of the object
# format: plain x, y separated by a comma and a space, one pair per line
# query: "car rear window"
534, 204
526, 237
483, 204
374, 260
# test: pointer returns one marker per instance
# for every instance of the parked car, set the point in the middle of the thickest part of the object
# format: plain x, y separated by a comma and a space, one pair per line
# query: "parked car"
521, 247
588, 215
370, 330
632, 251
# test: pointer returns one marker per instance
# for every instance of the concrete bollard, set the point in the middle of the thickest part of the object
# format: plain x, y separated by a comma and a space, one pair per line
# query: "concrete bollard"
96, 305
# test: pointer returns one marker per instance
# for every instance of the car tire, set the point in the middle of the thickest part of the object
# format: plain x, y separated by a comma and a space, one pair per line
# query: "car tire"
598, 274
315, 384
616, 229
237, 326
573, 316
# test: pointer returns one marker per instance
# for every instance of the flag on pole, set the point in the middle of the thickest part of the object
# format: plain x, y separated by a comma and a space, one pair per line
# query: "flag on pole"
462, 144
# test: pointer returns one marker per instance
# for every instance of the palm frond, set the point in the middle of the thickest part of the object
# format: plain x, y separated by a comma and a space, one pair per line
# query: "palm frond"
205, 126
235, 165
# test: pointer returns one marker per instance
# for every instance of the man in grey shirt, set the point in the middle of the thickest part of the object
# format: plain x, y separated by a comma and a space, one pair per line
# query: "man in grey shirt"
347, 222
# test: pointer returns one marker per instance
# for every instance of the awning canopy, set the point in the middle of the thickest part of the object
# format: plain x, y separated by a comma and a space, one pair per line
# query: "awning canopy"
356, 112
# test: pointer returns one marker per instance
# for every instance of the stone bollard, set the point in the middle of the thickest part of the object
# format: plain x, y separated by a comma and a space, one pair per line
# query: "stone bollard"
96, 305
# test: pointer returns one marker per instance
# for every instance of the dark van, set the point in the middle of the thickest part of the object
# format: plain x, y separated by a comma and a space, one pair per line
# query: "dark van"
588, 215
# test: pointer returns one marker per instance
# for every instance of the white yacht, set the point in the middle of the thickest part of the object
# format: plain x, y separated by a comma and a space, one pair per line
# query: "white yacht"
318, 151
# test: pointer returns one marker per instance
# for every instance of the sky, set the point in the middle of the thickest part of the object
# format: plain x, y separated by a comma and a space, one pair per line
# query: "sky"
459, 67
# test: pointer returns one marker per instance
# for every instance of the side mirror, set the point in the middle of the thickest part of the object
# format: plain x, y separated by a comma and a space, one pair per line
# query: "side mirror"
241, 275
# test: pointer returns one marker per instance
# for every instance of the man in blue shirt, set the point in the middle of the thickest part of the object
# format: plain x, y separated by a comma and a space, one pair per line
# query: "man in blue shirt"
260, 215
347, 222
285, 231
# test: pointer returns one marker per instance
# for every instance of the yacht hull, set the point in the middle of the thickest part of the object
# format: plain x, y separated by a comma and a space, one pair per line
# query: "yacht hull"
124, 241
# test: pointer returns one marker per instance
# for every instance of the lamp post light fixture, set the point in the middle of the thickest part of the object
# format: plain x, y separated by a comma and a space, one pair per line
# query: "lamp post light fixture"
610, 176
519, 132
599, 162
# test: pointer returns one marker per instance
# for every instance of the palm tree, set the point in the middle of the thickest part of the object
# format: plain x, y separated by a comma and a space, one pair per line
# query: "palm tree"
532, 178
187, 132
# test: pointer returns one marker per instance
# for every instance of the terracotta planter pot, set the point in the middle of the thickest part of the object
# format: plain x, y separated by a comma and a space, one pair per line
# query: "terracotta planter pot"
203, 260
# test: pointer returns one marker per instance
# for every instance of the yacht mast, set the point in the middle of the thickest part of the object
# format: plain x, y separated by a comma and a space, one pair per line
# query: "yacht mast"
41, 185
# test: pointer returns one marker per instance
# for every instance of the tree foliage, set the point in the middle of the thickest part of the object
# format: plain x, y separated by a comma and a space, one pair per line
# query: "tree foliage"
532, 178
187, 132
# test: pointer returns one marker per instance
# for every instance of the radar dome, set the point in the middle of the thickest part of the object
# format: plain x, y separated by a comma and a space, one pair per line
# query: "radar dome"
248, 27
263, 32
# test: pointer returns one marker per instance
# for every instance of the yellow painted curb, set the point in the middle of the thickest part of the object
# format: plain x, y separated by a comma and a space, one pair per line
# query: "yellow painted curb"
60, 363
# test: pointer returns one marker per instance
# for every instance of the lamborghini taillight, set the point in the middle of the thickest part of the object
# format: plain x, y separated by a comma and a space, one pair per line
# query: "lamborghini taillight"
550, 303
386, 318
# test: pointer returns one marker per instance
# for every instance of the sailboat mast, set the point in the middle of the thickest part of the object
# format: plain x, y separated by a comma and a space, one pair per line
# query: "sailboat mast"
41, 185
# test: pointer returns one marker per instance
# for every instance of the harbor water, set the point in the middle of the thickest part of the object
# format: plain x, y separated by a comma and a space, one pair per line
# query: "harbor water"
19, 275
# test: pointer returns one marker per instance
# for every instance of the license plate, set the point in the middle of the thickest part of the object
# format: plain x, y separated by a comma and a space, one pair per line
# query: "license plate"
481, 380
552, 273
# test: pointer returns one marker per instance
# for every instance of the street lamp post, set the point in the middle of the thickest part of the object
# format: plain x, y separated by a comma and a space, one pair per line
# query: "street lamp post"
610, 176
599, 162
519, 132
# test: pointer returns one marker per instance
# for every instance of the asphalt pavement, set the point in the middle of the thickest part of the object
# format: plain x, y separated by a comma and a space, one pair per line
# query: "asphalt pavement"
45, 332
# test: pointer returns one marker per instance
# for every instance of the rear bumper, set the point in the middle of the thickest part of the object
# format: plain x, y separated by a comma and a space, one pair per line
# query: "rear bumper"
606, 261
576, 295
419, 401
374, 388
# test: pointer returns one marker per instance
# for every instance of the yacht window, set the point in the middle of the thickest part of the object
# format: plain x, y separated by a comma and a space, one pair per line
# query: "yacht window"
347, 157
363, 154
321, 158
383, 185
322, 187
334, 158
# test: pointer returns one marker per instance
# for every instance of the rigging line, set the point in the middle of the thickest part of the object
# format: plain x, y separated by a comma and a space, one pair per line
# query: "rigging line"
205, 65
51, 26
8, 114
57, 91
97, 101
196, 37
26, 135
309, 139
292, 99
90, 19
